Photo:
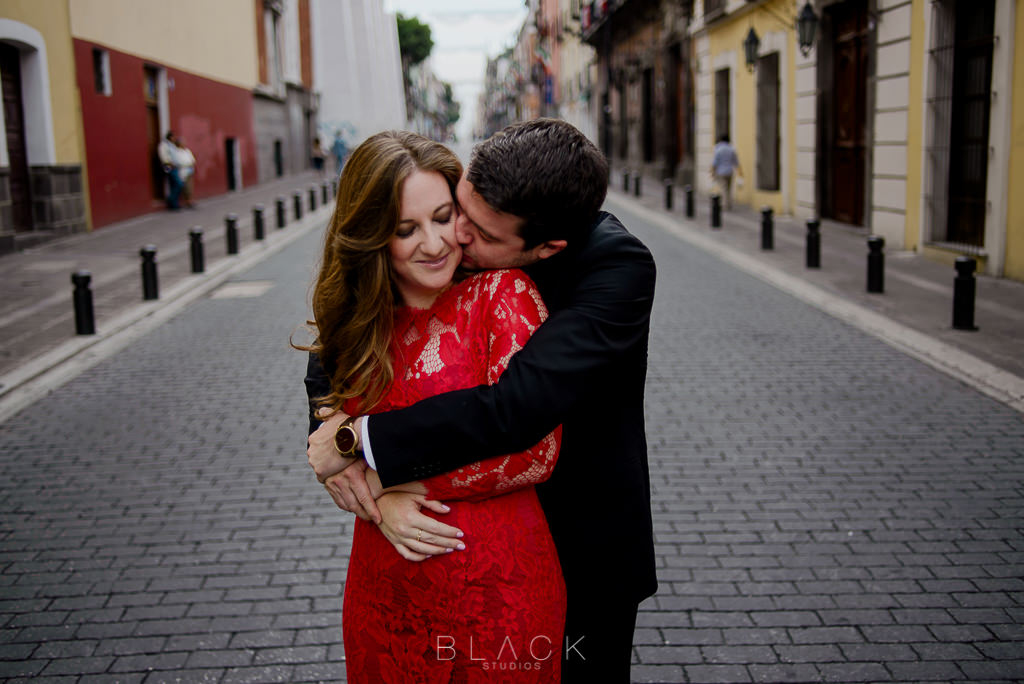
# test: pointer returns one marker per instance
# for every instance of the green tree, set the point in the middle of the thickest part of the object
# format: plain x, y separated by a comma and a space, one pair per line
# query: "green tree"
414, 41
452, 105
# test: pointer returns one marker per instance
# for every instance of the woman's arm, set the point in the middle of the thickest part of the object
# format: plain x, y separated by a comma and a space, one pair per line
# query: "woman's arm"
514, 311
606, 312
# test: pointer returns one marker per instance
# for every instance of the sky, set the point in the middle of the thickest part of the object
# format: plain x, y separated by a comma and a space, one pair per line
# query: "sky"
465, 34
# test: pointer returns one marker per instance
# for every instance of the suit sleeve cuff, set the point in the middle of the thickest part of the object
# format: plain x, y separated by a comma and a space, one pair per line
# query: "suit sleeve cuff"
365, 438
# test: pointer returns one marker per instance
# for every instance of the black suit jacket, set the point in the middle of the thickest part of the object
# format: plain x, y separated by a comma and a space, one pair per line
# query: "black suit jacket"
584, 368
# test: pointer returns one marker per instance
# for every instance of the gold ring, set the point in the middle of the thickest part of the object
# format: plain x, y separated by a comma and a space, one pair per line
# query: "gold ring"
418, 533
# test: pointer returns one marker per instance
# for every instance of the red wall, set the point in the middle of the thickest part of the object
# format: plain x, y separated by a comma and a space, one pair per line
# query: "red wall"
203, 112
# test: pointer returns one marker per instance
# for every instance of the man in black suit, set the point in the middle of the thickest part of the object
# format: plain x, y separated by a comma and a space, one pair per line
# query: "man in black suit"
531, 198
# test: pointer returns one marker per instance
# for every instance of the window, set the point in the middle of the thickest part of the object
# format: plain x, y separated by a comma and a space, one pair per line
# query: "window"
272, 32
101, 71
722, 122
713, 9
768, 122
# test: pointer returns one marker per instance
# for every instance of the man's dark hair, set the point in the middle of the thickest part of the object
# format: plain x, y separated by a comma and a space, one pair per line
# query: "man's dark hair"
545, 172
723, 138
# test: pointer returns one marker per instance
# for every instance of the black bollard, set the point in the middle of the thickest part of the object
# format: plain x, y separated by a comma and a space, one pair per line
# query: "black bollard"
625, 181
689, 200
85, 321
312, 199
280, 213
323, 192
876, 264
195, 237
767, 229
668, 194
716, 211
297, 201
257, 222
231, 232
150, 290
636, 184
964, 287
813, 243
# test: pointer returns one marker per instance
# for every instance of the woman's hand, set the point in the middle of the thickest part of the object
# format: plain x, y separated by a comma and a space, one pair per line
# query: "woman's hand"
415, 535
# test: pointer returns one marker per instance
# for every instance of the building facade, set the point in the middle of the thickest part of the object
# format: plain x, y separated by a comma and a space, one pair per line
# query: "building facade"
899, 118
357, 69
576, 73
644, 84
43, 186
283, 100
146, 68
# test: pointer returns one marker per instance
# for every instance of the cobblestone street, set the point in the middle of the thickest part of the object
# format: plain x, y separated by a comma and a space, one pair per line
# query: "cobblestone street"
826, 507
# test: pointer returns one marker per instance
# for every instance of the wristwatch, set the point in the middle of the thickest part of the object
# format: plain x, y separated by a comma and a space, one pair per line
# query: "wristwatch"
346, 439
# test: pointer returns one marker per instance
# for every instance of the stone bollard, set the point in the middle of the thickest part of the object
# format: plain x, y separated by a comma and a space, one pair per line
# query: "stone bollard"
81, 297
625, 180
716, 211
689, 200
257, 222
668, 194
636, 184
312, 199
195, 238
876, 264
813, 243
964, 289
150, 289
323, 192
280, 213
231, 232
297, 202
767, 229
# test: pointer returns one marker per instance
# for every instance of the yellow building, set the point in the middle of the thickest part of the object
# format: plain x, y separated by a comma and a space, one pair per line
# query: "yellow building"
42, 180
904, 117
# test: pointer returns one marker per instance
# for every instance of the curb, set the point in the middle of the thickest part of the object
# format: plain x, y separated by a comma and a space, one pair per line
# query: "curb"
981, 375
45, 373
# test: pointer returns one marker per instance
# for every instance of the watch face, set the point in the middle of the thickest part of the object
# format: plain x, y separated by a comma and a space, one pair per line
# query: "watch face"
345, 439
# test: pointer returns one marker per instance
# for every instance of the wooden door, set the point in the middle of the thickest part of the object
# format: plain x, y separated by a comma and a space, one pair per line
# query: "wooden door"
149, 93
850, 77
14, 122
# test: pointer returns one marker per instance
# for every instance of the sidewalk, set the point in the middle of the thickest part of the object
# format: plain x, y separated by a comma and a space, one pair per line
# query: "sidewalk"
37, 325
37, 318
918, 292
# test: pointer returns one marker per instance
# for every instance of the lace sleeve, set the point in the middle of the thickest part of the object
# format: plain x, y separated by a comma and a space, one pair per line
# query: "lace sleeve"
514, 311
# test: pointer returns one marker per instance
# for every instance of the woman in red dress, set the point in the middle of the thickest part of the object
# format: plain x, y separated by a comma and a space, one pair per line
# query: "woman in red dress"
393, 329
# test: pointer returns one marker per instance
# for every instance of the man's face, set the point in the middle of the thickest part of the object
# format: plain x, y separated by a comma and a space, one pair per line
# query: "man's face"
489, 238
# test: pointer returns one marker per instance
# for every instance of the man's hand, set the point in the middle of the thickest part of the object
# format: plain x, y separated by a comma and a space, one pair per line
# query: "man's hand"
351, 491
323, 457
416, 536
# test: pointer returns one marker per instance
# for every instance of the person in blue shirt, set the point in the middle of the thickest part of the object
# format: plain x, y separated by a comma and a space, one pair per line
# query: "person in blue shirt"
340, 150
723, 164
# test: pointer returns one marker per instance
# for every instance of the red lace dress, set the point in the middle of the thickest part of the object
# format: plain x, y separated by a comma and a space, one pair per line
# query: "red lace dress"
496, 611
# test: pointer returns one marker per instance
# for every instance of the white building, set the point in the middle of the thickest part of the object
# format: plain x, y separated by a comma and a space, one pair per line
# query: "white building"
357, 69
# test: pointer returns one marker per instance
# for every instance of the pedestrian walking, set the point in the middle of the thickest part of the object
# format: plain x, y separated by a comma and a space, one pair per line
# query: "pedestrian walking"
340, 151
724, 164
318, 156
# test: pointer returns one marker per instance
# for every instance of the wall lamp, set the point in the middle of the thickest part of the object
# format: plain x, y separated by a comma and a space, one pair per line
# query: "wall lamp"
806, 28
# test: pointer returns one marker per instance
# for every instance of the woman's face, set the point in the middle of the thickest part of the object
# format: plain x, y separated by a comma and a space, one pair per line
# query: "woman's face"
424, 252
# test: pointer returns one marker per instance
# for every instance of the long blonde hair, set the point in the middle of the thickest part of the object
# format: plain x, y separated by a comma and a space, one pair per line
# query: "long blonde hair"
354, 296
